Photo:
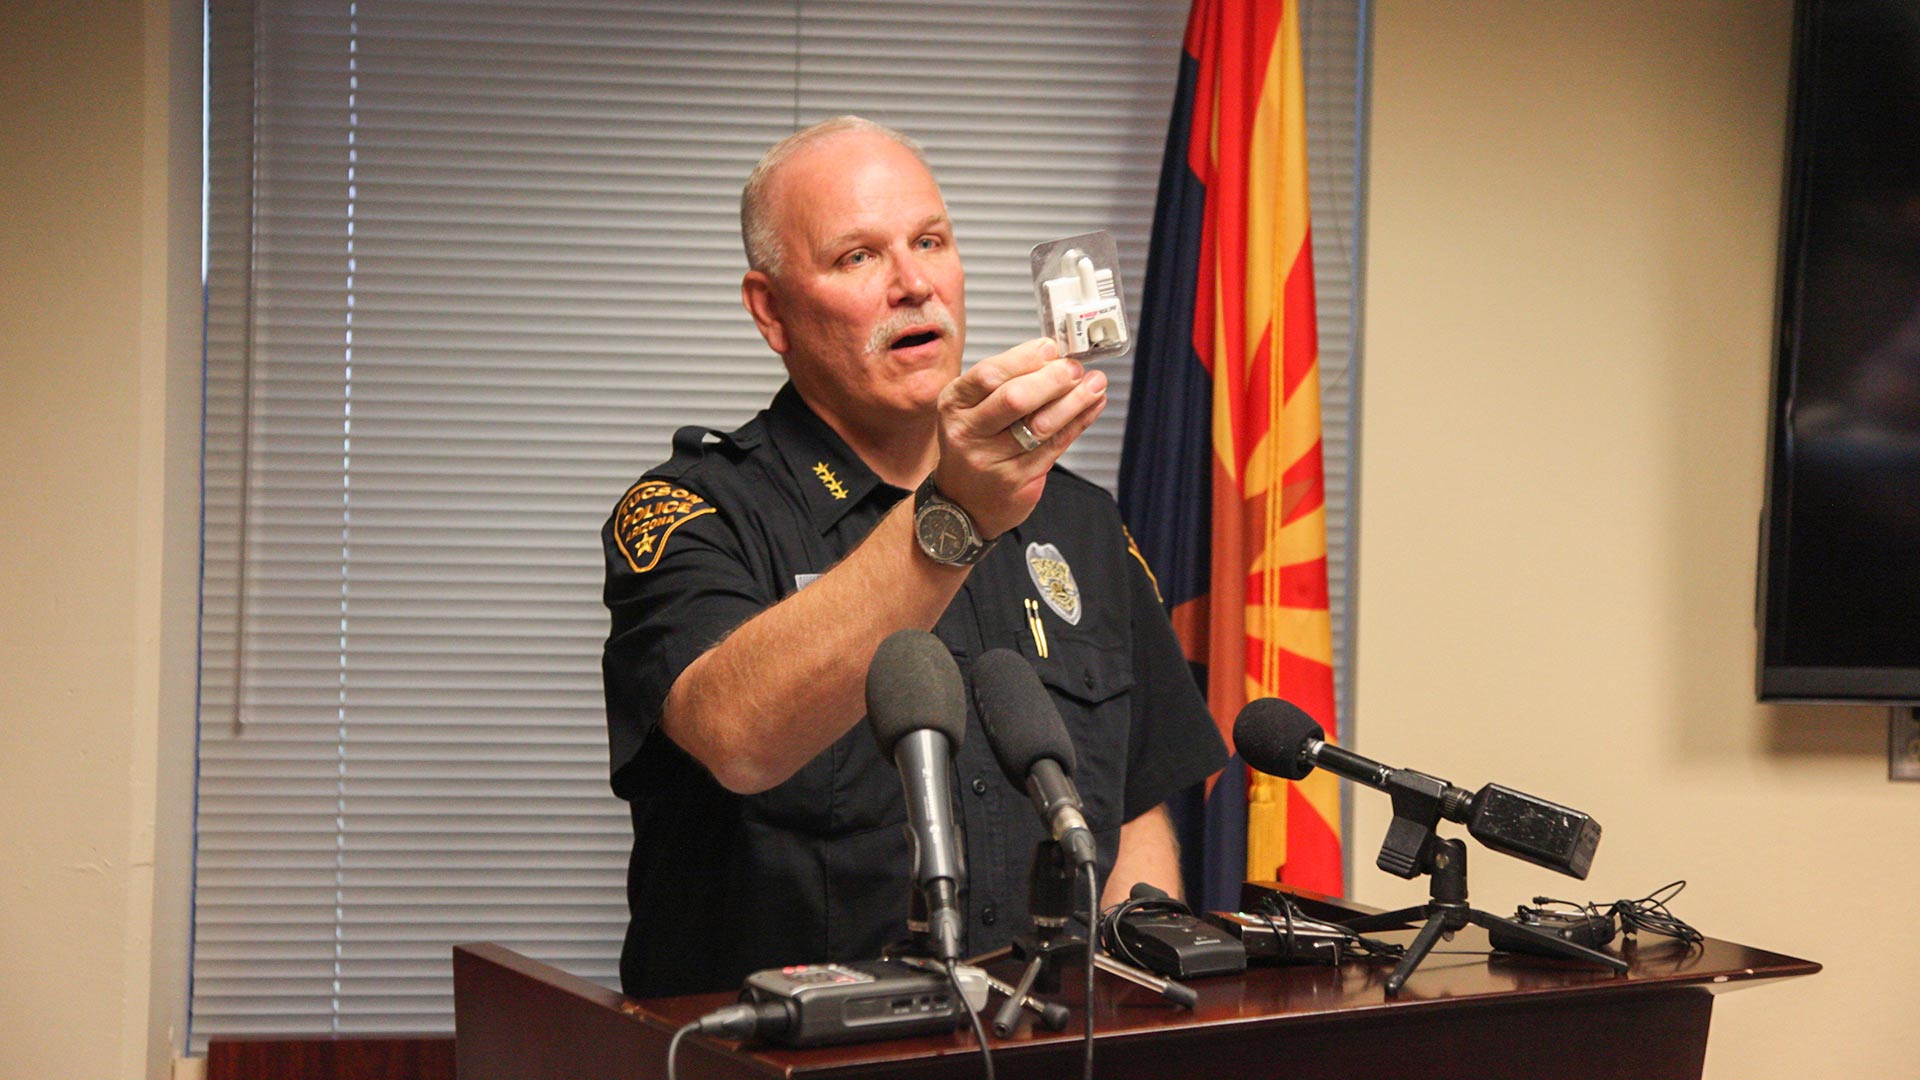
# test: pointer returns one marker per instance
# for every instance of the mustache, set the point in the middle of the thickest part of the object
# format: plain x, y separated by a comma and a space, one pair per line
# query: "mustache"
906, 319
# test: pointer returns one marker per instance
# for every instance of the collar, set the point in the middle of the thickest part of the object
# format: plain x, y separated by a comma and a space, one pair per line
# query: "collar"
832, 477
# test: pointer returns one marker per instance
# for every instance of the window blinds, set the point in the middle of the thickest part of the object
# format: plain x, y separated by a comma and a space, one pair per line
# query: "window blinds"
469, 266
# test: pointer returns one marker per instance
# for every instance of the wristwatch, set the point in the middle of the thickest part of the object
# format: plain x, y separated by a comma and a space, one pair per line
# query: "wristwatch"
946, 532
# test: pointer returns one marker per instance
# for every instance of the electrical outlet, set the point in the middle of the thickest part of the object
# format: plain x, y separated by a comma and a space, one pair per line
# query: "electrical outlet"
1903, 744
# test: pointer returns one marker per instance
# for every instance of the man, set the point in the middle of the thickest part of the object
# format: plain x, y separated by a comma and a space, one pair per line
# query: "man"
751, 577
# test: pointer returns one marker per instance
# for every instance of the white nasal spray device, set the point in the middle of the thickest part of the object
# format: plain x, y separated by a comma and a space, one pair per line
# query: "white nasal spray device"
1077, 291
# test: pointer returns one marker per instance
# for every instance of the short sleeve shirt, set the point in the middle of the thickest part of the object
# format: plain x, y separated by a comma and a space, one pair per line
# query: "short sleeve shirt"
818, 868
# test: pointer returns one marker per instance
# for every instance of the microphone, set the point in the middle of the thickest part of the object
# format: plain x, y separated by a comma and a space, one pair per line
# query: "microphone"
917, 708
1030, 742
1278, 738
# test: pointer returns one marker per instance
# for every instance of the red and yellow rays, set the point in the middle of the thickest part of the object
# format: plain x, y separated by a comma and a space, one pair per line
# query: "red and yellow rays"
1254, 332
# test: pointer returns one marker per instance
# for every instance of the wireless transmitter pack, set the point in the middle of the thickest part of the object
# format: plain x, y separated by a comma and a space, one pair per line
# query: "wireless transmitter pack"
1579, 927
1181, 946
856, 1002
1277, 941
1161, 934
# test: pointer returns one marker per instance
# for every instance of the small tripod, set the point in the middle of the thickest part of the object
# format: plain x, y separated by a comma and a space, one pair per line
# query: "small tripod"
916, 951
1412, 849
1050, 898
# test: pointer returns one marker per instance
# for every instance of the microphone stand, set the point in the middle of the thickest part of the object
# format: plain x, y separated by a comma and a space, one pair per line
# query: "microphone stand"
916, 951
1411, 849
1050, 899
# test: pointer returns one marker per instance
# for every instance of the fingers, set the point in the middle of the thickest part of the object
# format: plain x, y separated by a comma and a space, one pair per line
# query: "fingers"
1024, 388
1076, 425
985, 378
1050, 421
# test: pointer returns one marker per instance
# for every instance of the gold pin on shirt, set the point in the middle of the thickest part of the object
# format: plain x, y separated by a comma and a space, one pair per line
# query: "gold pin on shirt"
831, 482
1034, 625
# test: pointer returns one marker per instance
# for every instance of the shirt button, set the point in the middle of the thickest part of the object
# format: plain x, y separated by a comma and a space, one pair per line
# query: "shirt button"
1088, 680
989, 915
979, 786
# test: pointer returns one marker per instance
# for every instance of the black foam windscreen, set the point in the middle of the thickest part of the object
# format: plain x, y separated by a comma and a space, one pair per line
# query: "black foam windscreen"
1271, 735
912, 685
1022, 723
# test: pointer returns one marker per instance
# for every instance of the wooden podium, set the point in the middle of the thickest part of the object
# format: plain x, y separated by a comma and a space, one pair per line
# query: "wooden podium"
1462, 1014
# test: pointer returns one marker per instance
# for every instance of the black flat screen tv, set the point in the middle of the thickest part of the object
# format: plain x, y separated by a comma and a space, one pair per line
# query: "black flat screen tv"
1840, 553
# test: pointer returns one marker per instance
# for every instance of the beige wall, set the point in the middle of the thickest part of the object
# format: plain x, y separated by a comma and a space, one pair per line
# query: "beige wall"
98, 474
1572, 222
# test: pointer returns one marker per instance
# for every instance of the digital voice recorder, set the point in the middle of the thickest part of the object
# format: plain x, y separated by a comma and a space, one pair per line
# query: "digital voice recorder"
855, 1002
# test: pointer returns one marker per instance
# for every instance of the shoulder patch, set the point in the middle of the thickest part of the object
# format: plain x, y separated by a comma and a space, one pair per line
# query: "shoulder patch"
647, 515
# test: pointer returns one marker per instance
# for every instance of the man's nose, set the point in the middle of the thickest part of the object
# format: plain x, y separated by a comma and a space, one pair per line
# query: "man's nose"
911, 286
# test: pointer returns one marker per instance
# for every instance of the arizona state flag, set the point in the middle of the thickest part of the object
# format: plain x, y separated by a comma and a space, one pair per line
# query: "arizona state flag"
1220, 474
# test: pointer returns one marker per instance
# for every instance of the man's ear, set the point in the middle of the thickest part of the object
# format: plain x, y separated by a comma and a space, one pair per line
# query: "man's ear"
756, 292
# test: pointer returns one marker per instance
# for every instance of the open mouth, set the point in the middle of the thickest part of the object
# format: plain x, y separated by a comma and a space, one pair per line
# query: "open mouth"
909, 341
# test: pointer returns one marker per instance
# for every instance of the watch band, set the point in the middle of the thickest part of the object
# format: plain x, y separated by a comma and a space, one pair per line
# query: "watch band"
945, 531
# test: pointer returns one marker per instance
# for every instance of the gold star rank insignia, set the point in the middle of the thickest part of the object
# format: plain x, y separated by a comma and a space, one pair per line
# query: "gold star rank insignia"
647, 515
832, 482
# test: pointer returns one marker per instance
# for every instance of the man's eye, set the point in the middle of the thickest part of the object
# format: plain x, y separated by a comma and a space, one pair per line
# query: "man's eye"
856, 258
929, 243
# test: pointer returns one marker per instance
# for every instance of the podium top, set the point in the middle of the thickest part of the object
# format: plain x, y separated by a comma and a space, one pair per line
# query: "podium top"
1464, 1012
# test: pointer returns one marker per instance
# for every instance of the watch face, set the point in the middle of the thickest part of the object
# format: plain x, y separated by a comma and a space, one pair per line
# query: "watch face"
943, 532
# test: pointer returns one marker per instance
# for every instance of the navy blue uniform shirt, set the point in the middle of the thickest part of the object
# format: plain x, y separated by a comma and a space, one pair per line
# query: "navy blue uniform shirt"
817, 868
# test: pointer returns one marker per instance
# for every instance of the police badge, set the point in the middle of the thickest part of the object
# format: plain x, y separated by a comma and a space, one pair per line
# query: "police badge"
1054, 578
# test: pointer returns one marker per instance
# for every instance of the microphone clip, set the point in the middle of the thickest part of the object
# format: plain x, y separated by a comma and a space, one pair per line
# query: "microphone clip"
1417, 801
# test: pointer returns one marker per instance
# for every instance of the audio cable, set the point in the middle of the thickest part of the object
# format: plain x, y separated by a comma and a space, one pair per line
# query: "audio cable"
1093, 945
1649, 913
979, 1033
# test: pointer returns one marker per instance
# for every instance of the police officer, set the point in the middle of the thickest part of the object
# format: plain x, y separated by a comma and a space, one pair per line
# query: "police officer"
751, 577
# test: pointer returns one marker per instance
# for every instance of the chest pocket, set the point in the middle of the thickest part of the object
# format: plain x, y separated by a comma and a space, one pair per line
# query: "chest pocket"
1091, 680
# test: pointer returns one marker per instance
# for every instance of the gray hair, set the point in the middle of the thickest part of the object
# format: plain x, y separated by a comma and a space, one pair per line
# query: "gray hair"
758, 232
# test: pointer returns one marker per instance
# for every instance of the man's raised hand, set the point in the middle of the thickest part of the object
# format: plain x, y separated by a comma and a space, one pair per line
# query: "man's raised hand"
984, 465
